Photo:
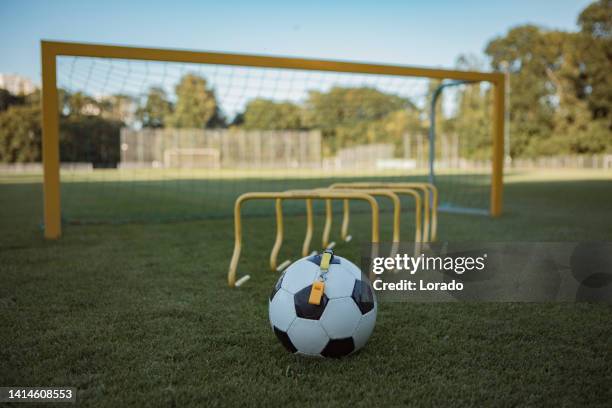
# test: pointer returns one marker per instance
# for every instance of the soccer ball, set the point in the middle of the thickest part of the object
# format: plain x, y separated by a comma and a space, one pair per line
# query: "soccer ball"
343, 321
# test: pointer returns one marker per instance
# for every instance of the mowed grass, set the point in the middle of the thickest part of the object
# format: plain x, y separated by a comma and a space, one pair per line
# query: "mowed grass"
140, 314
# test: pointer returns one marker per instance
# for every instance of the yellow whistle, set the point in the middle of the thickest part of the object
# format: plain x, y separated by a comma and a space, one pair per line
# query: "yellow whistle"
316, 293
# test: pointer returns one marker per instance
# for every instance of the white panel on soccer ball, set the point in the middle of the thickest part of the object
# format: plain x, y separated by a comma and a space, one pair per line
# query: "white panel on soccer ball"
307, 336
339, 282
365, 328
351, 267
282, 310
340, 318
299, 275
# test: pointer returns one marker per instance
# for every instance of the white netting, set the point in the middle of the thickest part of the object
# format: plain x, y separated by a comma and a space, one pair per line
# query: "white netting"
186, 139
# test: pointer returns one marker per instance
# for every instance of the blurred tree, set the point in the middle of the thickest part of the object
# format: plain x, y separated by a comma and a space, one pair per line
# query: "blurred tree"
7, 99
33, 98
471, 120
565, 76
595, 50
391, 129
524, 49
561, 97
218, 119
348, 106
396, 123
264, 114
238, 120
79, 103
347, 116
20, 134
195, 106
118, 107
90, 139
155, 110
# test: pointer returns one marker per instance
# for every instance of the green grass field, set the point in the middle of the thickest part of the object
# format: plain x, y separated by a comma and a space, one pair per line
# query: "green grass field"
140, 314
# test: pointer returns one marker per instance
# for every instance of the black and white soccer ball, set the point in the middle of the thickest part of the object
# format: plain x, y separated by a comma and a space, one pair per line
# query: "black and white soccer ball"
340, 325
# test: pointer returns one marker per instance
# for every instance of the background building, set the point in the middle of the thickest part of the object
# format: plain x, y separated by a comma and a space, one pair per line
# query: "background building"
17, 84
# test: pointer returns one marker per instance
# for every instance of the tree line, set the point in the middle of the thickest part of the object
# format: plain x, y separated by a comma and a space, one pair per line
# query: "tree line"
560, 103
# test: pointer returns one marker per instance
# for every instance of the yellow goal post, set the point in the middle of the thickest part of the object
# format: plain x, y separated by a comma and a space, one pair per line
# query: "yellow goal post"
51, 50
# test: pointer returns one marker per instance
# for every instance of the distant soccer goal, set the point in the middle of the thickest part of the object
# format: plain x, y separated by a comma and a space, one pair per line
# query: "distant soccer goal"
171, 134
192, 158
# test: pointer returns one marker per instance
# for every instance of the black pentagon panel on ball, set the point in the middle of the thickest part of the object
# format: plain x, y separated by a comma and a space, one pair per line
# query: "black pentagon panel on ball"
285, 340
277, 287
363, 296
304, 309
337, 348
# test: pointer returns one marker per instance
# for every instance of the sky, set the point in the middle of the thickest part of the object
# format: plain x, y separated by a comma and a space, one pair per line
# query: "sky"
424, 33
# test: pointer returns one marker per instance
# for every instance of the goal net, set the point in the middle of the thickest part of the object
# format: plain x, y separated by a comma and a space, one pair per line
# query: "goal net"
153, 139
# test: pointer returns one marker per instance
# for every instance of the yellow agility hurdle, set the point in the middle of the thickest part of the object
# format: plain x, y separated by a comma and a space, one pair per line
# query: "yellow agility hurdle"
397, 213
279, 197
428, 189
418, 233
